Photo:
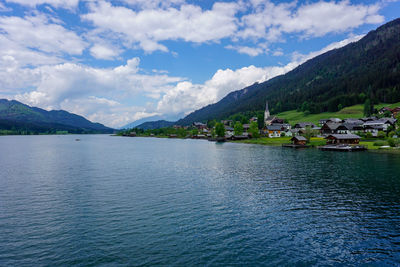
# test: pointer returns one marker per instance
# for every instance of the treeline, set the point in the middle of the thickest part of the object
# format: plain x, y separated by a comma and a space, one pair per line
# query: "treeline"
8, 127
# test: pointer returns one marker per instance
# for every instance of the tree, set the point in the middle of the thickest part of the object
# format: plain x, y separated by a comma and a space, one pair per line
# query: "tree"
253, 130
220, 129
260, 120
211, 123
308, 133
195, 131
340, 107
238, 128
368, 108
381, 135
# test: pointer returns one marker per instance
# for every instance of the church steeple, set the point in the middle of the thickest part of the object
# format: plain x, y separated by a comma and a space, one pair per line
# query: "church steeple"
266, 113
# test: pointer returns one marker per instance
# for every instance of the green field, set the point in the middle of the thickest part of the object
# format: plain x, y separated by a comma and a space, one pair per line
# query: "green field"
355, 111
315, 141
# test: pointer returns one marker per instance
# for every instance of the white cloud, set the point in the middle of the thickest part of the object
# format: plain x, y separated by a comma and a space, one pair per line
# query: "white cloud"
186, 97
152, 4
106, 90
104, 52
251, 51
39, 33
147, 28
298, 57
269, 21
68, 4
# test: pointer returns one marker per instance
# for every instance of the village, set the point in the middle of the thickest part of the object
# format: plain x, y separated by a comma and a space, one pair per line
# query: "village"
331, 133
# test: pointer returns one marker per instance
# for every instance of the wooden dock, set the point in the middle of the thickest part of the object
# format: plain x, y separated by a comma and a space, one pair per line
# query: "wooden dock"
343, 148
295, 146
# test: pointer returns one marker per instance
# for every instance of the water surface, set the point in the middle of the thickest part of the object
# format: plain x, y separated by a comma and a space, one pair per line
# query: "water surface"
146, 201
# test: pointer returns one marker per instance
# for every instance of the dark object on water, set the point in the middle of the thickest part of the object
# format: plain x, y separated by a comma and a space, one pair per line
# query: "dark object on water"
77, 139
343, 148
295, 146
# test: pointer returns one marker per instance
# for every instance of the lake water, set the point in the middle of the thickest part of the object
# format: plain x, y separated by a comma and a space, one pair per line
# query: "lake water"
115, 201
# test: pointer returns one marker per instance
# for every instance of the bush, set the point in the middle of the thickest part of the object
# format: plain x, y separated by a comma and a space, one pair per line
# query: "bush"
391, 134
283, 134
380, 143
392, 142
381, 135
368, 135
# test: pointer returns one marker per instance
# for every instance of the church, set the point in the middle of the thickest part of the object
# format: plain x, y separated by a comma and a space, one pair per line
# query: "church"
267, 116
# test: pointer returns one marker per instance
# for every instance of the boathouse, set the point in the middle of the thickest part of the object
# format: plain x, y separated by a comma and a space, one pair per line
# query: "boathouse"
343, 139
299, 140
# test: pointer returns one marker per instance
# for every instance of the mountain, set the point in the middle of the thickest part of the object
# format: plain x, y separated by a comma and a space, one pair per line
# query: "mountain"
155, 124
367, 69
141, 121
20, 117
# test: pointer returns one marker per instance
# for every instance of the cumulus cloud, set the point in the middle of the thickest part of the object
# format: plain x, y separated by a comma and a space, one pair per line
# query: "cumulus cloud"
106, 90
148, 27
251, 51
186, 97
40, 33
269, 21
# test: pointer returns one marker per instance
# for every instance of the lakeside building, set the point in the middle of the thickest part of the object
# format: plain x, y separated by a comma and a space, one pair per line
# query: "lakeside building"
299, 140
336, 139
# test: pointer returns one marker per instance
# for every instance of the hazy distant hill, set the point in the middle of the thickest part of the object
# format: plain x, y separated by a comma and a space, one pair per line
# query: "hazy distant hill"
141, 121
155, 124
20, 117
369, 68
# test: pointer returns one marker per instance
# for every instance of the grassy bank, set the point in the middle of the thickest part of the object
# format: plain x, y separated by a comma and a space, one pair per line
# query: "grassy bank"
314, 142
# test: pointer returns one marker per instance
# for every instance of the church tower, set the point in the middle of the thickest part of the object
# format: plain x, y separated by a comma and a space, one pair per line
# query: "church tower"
266, 115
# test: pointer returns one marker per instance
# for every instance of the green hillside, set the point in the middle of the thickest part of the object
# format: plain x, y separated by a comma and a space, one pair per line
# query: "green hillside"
365, 70
355, 111
18, 118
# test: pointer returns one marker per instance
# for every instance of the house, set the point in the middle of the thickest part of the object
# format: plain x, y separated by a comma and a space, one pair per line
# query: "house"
373, 129
277, 121
322, 121
336, 120
253, 119
378, 123
395, 111
246, 127
227, 122
349, 128
199, 125
132, 134
337, 139
275, 130
299, 140
353, 121
329, 128
228, 131
303, 125
286, 126
385, 109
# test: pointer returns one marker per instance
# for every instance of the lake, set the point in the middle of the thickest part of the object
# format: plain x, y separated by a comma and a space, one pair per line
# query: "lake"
105, 201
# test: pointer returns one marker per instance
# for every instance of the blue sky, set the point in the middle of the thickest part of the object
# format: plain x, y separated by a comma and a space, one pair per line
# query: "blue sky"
115, 62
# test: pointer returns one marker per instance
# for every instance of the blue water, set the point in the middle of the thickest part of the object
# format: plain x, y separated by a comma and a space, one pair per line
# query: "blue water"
123, 201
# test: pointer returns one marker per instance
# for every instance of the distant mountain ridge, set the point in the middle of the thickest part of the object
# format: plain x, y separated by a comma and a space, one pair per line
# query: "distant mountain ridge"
18, 116
369, 68
150, 125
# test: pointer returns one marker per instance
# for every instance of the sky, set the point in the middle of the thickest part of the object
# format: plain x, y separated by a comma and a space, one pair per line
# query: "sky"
115, 62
